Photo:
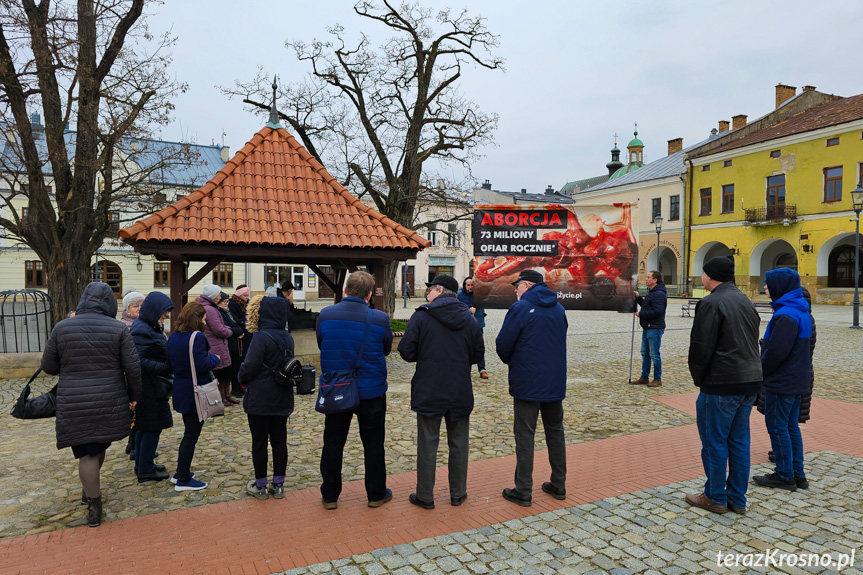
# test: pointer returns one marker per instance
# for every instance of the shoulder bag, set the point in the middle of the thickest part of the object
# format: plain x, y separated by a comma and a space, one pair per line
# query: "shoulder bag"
27, 407
338, 391
208, 399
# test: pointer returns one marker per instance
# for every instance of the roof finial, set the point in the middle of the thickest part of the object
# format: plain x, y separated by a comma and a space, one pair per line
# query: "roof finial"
274, 113
636, 129
615, 139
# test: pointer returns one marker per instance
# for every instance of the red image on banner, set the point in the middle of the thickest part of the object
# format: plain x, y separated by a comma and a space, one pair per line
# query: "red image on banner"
587, 254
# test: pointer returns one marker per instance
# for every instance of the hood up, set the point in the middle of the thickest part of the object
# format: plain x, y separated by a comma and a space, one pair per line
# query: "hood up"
98, 298
155, 304
273, 313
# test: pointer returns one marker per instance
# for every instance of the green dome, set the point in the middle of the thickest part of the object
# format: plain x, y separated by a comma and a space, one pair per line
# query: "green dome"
627, 168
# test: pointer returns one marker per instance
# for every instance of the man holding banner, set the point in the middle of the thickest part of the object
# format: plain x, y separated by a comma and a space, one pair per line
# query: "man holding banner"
532, 342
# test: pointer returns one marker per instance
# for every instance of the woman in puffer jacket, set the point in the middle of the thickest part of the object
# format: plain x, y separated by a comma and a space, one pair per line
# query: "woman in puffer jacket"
217, 334
269, 400
153, 414
100, 380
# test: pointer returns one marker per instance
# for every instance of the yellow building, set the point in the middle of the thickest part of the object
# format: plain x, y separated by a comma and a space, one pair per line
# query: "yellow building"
776, 193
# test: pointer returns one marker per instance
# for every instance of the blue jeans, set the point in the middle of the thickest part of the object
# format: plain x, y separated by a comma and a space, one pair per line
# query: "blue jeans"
146, 443
650, 340
723, 425
781, 413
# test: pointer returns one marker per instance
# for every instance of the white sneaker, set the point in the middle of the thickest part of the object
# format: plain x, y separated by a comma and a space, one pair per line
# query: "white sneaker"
190, 485
174, 478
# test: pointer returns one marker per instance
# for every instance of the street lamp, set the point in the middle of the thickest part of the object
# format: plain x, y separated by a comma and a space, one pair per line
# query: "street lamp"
857, 199
139, 266
657, 221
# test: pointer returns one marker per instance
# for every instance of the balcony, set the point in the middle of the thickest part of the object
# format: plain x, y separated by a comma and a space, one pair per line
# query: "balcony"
782, 213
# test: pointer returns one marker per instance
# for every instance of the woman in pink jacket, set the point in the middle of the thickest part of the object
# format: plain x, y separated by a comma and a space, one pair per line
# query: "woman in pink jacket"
217, 334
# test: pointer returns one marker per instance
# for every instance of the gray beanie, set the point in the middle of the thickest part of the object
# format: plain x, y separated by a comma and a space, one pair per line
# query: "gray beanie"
211, 291
131, 298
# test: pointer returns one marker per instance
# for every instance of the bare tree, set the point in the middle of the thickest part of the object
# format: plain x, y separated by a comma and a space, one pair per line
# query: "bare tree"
96, 64
389, 121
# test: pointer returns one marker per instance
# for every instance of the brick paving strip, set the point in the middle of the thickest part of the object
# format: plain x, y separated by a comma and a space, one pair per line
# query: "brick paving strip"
250, 536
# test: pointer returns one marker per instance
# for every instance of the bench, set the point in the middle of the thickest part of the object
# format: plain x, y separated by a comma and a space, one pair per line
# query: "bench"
764, 307
688, 308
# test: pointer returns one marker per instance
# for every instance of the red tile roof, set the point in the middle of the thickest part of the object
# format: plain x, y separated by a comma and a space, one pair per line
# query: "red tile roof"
273, 192
831, 114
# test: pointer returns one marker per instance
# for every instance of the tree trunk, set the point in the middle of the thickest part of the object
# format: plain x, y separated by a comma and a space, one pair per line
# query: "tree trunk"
390, 294
68, 274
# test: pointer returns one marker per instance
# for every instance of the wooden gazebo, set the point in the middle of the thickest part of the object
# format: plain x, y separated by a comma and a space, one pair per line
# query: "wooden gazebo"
272, 203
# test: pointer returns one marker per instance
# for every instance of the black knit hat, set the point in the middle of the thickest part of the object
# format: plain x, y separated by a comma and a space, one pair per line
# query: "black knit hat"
720, 269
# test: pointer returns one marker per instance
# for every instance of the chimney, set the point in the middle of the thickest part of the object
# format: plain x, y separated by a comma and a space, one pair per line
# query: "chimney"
784, 93
738, 121
486, 185
524, 190
723, 126
675, 145
549, 191
226, 153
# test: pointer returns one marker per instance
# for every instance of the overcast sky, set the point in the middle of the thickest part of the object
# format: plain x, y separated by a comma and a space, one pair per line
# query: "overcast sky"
577, 72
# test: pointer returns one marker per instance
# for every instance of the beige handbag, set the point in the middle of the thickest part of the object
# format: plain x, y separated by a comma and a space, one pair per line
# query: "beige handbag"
208, 398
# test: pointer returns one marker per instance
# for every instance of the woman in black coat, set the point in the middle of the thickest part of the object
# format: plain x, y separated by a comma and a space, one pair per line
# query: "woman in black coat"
268, 403
237, 307
100, 380
233, 348
152, 414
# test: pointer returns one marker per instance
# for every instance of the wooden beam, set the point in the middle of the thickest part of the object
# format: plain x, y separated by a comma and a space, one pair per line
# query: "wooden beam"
178, 297
272, 254
323, 277
199, 275
340, 284
349, 265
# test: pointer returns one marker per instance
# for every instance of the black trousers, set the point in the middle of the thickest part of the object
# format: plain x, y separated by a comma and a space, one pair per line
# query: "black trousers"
191, 434
371, 415
272, 429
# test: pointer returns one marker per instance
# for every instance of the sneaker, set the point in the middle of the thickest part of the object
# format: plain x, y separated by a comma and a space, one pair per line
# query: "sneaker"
190, 485
737, 510
639, 381
456, 501
703, 502
174, 478
420, 503
655, 383
483, 374
512, 495
554, 491
774, 480
801, 482
277, 490
330, 504
388, 496
255, 491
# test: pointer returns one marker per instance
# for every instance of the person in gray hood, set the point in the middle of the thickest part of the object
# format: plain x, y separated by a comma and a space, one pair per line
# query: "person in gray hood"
100, 380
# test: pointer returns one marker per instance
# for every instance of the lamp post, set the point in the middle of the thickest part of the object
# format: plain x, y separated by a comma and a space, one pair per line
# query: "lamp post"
139, 266
857, 198
405, 283
657, 221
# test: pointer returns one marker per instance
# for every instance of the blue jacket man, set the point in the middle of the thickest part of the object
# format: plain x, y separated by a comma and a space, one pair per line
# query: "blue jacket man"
339, 330
532, 342
465, 296
787, 365
652, 320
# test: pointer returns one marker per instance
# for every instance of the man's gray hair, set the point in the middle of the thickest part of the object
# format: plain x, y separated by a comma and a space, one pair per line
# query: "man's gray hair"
444, 291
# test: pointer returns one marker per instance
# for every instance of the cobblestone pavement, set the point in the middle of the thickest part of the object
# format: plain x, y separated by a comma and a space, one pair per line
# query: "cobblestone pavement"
652, 532
39, 486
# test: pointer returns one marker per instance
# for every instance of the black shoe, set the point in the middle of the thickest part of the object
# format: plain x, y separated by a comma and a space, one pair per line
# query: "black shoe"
420, 503
801, 482
512, 495
84, 500
132, 455
456, 501
155, 468
94, 511
553, 491
774, 480
154, 476
771, 457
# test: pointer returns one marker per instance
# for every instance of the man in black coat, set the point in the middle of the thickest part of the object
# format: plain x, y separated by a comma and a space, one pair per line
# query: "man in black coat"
652, 320
444, 340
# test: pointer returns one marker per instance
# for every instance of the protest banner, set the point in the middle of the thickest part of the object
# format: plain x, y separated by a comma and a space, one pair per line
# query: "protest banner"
588, 254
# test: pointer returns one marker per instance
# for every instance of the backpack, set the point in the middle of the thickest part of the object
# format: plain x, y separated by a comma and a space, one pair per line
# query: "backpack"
289, 371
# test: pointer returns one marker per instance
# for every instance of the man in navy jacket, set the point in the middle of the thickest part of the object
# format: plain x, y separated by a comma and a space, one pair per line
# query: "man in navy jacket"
339, 331
532, 342
652, 320
786, 364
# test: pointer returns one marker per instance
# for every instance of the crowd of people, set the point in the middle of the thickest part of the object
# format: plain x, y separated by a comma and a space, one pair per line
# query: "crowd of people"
120, 374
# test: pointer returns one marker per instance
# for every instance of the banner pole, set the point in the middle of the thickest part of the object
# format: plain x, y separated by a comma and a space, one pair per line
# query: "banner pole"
632, 344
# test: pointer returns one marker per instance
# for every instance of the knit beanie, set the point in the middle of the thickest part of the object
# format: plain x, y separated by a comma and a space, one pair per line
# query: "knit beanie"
211, 291
720, 269
131, 298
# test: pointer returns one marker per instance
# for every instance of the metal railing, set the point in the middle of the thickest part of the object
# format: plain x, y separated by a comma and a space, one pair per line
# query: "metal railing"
26, 318
778, 213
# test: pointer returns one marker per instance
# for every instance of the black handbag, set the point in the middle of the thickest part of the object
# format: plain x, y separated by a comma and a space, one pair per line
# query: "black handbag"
162, 386
27, 407
289, 371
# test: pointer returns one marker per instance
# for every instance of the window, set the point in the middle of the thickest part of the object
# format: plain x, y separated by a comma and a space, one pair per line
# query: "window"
775, 153
706, 202
728, 199
705, 168
433, 235
726, 164
833, 184
113, 223
452, 238
161, 274
776, 196
223, 275
34, 274
25, 213
832, 142
656, 209
674, 208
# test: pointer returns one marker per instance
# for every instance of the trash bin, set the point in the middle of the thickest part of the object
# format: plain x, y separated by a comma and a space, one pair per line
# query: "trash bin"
307, 384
